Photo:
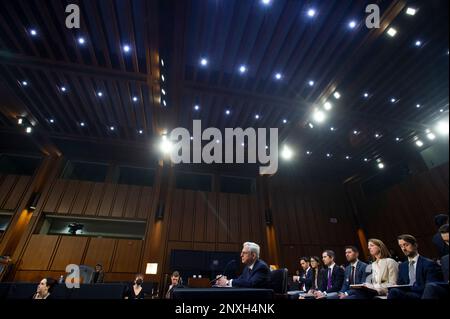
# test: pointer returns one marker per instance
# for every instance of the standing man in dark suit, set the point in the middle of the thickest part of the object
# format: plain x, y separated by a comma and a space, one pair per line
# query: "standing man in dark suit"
255, 274
417, 271
333, 276
99, 275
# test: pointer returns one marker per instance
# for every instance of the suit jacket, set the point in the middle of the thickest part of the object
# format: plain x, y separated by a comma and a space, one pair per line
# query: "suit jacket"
337, 279
258, 277
440, 244
426, 271
100, 278
444, 263
360, 275
307, 279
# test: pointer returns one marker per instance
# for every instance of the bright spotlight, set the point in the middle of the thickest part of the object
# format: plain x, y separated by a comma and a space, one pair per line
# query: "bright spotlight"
287, 153
166, 145
442, 127
319, 116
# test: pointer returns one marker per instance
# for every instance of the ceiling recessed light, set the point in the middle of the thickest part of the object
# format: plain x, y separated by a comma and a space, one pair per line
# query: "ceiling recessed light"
203, 62
308, 152
311, 13
431, 136
162, 77
366, 95
82, 124
266, 2
418, 43
141, 132
355, 132
227, 112
377, 135
63, 89
327, 106
135, 99
81, 40
418, 105
164, 102
20, 121
337, 95
310, 125
24, 83
411, 11
380, 165
441, 110
29, 129
393, 100
112, 128
100, 94
332, 129
392, 32
278, 76
242, 69
347, 157
419, 143
33, 32
329, 155
319, 116
196, 107
352, 24
163, 91
51, 121
257, 116
126, 48
285, 121
311, 83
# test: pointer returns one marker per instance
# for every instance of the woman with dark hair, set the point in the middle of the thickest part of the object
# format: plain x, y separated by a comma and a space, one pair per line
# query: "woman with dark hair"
136, 291
317, 272
384, 273
44, 288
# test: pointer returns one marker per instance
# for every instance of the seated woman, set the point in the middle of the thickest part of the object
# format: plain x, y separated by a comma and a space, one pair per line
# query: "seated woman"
384, 273
44, 288
136, 291
317, 275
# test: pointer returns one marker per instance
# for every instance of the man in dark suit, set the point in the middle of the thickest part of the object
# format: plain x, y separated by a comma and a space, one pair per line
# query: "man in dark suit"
417, 271
355, 272
438, 290
255, 274
333, 276
305, 280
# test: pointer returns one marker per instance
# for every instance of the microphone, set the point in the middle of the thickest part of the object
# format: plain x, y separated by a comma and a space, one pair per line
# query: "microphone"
224, 271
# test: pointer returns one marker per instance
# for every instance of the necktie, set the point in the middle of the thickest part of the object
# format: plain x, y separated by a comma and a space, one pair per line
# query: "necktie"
412, 272
352, 276
329, 285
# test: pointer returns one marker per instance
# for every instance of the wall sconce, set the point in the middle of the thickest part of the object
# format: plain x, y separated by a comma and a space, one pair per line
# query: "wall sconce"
34, 199
151, 269
160, 211
268, 216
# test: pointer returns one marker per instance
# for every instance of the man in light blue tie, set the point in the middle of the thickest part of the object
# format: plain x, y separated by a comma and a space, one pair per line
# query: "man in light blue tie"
415, 273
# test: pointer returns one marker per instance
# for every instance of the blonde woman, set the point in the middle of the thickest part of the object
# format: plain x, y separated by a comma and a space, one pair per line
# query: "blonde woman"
384, 273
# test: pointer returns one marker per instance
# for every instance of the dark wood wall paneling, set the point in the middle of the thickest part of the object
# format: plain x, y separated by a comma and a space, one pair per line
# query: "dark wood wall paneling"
12, 189
72, 197
302, 209
409, 208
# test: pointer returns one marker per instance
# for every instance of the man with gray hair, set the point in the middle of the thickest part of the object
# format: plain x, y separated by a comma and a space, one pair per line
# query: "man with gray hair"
255, 274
